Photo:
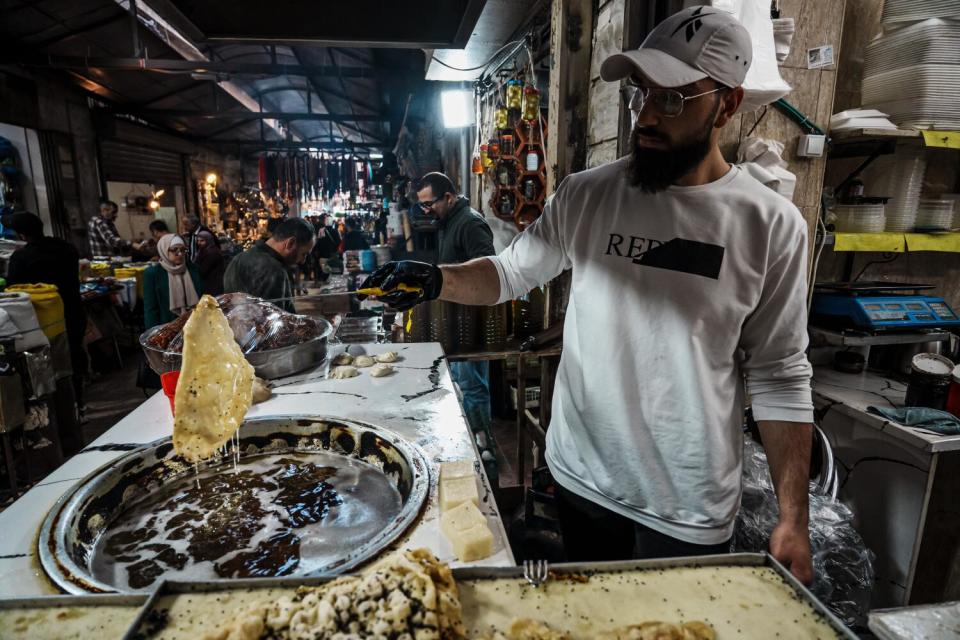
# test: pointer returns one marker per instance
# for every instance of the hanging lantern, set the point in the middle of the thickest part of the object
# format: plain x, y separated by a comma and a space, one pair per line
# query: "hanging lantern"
485, 157
500, 117
493, 148
478, 161
514, 94
531, 104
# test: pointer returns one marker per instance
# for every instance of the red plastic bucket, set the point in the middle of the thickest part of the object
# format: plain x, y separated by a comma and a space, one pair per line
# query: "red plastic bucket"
168, 381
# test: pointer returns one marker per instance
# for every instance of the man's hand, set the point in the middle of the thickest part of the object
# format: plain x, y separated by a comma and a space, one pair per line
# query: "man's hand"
790, 545
788, 452
426, 279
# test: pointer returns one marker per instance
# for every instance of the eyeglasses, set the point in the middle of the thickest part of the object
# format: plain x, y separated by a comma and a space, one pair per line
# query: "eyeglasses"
667, 102
176, 250
429, 204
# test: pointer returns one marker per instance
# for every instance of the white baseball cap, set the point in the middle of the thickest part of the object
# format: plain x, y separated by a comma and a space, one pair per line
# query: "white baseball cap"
693, 44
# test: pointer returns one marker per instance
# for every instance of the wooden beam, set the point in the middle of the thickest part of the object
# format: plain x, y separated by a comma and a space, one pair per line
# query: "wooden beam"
571, 40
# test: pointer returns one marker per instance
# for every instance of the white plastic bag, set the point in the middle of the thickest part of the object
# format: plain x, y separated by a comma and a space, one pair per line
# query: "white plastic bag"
763, 83
763, 160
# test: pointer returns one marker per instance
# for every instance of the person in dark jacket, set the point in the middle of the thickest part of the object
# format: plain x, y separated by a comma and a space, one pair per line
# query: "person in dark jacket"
53, 261
262, 270
211, 264
193, 228
353, 239
464, 235
172, 286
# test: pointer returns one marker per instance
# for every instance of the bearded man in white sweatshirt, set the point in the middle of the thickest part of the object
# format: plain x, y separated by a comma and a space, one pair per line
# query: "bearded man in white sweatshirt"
688, 278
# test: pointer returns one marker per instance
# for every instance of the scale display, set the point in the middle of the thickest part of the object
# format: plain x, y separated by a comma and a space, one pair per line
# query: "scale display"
881, 312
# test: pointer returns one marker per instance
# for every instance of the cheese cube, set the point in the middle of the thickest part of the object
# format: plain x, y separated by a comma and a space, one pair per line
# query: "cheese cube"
456, 469
456, 491
466, 529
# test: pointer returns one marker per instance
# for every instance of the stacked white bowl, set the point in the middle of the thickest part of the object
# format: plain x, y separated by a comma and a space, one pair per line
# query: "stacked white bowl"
860, 218
935, 214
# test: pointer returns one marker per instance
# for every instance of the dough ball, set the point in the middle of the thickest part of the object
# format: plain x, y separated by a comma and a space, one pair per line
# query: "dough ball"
380, 370
389, 356
261, 392
363, 361
340, 373
343, 358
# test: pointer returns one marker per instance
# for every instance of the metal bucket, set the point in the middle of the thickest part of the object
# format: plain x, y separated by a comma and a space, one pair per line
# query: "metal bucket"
68, 541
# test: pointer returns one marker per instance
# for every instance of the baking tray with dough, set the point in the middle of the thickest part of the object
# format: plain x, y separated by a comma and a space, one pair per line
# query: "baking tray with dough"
60, 617
742, 595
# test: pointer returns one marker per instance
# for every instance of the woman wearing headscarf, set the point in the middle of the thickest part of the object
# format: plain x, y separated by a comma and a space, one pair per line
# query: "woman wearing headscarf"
171, 286
210, 262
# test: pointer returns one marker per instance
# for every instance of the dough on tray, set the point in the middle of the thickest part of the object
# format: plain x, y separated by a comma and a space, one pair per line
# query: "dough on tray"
387, 356
380, 370
261, 391
363, 361
215, 387
340, 373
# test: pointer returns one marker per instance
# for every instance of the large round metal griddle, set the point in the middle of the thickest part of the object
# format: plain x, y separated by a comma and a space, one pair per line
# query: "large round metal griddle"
70, 533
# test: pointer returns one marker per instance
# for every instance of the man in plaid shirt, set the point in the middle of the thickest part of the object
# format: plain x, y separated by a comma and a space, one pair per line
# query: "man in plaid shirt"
102, 232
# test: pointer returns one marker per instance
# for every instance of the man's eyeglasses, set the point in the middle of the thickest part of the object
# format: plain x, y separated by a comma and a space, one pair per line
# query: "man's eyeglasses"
667, 102
426, 205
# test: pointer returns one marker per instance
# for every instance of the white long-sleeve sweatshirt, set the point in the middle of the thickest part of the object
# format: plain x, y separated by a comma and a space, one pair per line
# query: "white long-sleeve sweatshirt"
675, 297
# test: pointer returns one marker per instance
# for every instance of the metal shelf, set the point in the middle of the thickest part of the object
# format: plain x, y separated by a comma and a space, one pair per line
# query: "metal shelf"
820, 337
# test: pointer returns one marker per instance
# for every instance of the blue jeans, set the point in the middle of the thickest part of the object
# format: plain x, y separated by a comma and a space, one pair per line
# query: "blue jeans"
473, 378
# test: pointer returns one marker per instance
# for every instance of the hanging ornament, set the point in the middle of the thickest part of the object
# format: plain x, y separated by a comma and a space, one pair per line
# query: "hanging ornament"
500, 116
482, 161
531, 104
514, 94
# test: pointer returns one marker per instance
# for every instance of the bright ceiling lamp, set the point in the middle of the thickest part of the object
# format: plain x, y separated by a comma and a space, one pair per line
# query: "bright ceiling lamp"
457, 106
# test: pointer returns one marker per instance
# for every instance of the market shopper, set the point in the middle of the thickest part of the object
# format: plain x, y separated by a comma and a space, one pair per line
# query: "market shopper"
50, 260
148, 249
171, 286
102, 236
353, 239
210, 263
688, 278
262, 270
464, 235
193, 228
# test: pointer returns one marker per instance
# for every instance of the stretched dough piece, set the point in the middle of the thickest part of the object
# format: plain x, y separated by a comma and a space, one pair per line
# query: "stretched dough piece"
215, 388
340, 373
388, 356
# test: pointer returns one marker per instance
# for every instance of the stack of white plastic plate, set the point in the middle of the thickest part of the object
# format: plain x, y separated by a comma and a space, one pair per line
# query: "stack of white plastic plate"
935, 214
913, 74
900, 178
899, 11
956, 207
860, 218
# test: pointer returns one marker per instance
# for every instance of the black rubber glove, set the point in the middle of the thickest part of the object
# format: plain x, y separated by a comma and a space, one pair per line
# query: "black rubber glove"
406, 272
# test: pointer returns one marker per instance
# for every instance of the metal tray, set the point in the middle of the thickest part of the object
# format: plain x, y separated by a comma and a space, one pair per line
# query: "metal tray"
59, 604
462, 575
67, 540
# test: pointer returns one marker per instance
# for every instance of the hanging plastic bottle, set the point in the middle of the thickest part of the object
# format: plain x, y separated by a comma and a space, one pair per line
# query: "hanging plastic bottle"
493, 148
514, 94
478, 160
533, 160
531, 104
501, 117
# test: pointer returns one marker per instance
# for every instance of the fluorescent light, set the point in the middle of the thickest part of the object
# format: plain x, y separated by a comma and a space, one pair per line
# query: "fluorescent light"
457, 108
376, 156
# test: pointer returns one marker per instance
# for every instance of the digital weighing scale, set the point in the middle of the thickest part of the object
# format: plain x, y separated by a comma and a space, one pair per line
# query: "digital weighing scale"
874, 306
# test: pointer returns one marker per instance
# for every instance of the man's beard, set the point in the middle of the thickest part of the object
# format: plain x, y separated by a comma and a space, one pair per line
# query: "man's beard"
653, 170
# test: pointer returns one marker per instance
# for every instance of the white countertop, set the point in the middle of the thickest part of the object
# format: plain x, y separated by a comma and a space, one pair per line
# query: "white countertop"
852, 393
418, 402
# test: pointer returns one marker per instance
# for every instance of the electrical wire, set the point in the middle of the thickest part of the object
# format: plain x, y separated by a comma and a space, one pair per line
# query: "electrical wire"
888, 257
757, 123
797, 116
482, 66
816, 256
533, 81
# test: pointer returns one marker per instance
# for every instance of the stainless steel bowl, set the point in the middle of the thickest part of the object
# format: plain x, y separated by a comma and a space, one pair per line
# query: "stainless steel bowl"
270, 364
68, 538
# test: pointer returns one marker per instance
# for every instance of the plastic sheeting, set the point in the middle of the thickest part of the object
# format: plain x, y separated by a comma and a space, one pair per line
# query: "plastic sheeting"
842, 564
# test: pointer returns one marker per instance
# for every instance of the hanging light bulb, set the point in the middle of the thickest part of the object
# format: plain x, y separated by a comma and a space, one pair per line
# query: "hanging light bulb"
211, 178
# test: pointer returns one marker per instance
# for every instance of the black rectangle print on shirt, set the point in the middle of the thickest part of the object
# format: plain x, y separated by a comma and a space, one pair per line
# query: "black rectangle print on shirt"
686, 256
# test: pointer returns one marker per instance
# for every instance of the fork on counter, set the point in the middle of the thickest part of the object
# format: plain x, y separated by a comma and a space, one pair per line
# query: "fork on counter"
535, 571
